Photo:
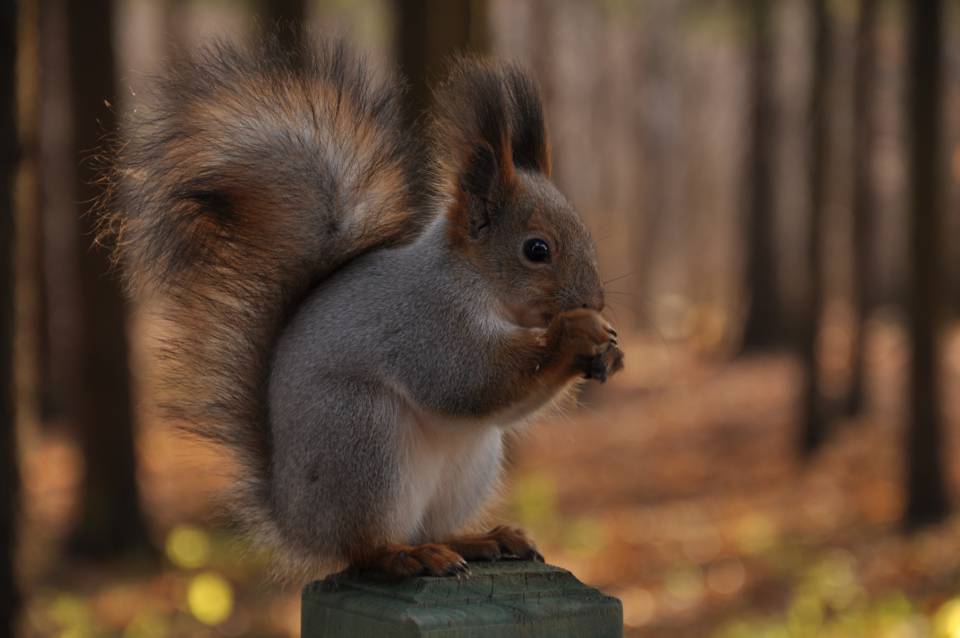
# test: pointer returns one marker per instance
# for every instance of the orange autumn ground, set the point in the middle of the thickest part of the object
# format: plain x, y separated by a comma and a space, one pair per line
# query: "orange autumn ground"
676, 488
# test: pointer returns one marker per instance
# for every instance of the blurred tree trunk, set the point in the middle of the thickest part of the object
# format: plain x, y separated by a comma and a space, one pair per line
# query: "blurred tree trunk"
285, 18
171, 23
764, 321
9, 482
542, 48
57, 218
40, 401
47, 396
541, 43
813, 422
287, 12
926, 491
110, 520
660, 136
428, 33
863, 196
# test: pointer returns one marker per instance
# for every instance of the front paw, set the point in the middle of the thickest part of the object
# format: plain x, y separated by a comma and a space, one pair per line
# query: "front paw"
602, 365
591, 342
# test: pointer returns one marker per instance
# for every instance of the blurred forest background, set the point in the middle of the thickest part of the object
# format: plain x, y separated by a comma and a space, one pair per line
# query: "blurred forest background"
774, 186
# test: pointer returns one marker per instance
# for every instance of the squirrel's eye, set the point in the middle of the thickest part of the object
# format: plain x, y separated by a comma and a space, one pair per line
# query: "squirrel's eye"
536, 250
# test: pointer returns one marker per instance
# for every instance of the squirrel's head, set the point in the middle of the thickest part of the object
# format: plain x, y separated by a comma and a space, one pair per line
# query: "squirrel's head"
505, 215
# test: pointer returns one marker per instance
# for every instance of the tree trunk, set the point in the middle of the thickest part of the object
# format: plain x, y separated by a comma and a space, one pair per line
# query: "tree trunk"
39, 399
110, 519
286, 19
813, 421
428, 33
863, 196
926, 492
9, 482
284, 12
661, 129
763, 329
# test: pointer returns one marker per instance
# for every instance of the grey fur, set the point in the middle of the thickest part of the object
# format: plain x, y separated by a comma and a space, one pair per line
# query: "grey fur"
397, 337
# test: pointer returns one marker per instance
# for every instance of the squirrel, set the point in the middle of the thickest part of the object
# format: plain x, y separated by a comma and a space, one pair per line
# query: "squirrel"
356, 307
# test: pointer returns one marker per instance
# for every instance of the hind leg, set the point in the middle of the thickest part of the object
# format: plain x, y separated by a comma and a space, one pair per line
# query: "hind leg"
339, 480
449, 472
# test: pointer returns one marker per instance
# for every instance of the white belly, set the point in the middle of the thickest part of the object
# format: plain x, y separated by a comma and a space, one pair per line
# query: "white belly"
449, 470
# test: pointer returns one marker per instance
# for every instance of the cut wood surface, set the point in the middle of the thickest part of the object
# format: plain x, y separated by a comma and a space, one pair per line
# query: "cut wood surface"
507, 598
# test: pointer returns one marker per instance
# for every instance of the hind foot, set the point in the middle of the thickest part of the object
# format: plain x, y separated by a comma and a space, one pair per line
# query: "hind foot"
500, 542
405, 561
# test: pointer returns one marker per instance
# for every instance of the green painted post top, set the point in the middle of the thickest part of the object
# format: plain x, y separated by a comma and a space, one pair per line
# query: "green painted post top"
498, 600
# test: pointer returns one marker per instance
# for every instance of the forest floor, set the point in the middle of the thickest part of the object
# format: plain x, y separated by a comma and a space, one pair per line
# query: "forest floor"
676, 487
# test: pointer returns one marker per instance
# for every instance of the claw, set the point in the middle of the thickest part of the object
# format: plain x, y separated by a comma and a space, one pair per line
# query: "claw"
459, 569
614, 337
532, 554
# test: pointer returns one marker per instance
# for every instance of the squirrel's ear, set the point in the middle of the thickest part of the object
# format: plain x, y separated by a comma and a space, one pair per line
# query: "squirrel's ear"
531, 147
482, 185
472, 136
473, 211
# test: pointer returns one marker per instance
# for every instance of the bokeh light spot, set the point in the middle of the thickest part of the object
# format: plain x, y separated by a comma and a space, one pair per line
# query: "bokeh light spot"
946, 623
188, 547
727, 577
585, 536
685, 586
755, 534
210, 598
534, 500
639, 606
147, 625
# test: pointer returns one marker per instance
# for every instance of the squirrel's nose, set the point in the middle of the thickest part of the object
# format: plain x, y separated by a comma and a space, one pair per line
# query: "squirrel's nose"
596, 302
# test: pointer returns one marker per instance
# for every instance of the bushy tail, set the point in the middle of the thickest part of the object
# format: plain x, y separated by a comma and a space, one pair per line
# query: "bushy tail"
246, 177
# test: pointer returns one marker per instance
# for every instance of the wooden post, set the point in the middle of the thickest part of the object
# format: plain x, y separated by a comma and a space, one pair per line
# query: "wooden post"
497, 600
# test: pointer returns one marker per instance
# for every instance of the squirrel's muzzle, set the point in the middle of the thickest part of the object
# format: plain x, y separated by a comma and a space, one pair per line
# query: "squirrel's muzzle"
594, 301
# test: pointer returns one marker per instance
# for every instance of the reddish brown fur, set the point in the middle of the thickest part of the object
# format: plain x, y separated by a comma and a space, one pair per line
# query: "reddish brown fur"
497, 543
404, 561
247, 178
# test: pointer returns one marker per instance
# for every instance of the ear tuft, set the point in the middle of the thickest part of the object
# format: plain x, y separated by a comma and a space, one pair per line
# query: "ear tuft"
496, 104
531, 149
488, 121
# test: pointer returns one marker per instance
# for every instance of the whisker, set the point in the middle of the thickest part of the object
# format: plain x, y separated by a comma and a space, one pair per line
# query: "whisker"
619, 277
613, 311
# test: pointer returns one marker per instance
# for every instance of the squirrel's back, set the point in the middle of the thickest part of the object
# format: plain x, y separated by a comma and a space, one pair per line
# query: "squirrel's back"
246, 177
